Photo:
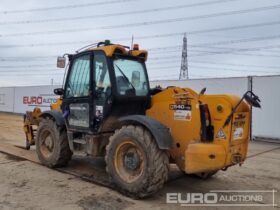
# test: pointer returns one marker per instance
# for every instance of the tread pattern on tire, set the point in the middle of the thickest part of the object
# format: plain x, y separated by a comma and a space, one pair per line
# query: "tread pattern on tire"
62, 154
158, 159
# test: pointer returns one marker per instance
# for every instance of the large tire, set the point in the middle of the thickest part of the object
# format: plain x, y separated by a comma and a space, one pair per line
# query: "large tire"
52, 145
135, 164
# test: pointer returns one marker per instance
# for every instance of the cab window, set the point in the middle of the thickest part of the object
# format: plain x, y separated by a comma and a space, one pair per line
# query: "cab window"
131, 77
78, 84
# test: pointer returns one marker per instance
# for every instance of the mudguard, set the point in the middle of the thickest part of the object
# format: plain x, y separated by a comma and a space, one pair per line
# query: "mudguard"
56, 115
159, 131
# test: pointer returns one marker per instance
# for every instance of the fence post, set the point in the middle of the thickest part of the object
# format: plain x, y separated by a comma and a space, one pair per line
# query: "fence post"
250, 88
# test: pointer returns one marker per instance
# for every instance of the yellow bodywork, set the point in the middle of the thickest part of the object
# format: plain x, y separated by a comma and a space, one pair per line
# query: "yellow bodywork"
31, 119
57, 105
188, 151
111, 49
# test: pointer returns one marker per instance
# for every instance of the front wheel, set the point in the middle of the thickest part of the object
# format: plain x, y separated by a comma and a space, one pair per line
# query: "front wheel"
52, 145
135, 163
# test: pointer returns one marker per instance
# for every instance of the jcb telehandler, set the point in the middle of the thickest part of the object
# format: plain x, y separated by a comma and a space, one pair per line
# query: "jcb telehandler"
107, 108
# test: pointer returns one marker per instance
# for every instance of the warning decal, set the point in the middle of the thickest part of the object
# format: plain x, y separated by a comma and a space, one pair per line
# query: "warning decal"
238, 133
239, 125
221, 134
181, 111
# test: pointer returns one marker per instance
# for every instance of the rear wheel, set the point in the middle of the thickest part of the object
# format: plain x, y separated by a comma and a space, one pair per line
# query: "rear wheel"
52, 145
135, 163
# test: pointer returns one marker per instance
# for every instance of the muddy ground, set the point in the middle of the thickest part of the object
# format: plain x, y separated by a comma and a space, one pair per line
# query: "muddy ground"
28, 185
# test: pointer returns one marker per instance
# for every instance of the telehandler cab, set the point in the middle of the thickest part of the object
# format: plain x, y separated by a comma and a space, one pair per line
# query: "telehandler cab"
107, 108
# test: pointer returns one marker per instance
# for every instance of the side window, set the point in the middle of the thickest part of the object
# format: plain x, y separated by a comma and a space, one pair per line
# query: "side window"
78, 83
102, 78
130, 77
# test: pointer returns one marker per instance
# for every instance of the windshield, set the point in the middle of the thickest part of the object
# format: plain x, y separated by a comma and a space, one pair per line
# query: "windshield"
131, 77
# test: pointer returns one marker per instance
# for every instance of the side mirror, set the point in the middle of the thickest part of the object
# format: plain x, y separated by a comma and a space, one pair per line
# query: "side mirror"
252, 99
60, 62
135, 78
58, 91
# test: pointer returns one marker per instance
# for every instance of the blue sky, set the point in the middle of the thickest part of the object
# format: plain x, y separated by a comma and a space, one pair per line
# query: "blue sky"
251, 47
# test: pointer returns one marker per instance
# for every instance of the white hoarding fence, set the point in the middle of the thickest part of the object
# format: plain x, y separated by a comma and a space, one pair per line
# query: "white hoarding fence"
266, 121
7, 99
234, 86
27, 98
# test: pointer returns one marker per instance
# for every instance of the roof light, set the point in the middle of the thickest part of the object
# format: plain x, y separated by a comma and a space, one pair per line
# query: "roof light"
135, 46
107, 42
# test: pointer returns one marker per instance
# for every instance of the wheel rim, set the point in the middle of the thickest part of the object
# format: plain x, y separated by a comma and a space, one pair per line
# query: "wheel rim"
129, 161
46, 144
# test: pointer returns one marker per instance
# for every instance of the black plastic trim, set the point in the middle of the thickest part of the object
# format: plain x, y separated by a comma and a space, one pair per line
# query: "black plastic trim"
55, 115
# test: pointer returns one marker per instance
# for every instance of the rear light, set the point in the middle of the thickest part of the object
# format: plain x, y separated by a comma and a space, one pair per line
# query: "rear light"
207, 130
207, 114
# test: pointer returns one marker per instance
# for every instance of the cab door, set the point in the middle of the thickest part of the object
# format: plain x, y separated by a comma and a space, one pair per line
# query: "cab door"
77, 109
102, 88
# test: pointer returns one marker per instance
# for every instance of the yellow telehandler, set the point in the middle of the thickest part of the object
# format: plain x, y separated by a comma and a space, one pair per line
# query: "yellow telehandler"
107, 108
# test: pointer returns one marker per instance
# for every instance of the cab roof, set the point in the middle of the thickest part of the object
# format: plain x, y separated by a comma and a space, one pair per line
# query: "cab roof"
111, 49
